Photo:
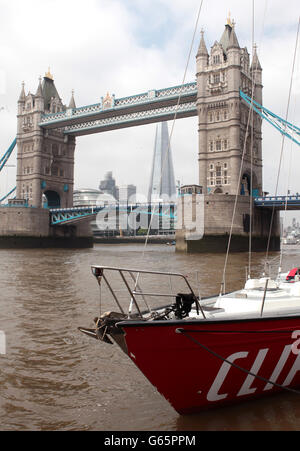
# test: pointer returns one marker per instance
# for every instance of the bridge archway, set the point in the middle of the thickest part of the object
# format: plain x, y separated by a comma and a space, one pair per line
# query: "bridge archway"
53, 199
218, 191
246, 184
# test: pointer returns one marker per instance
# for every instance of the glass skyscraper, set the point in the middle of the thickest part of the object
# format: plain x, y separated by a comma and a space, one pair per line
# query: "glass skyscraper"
162, 181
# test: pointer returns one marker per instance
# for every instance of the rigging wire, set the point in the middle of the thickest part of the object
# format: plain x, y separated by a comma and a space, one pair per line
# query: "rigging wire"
287, 190
285, 204
223, 282
176, 112
252, 128
283, 139
172, 128
251, 153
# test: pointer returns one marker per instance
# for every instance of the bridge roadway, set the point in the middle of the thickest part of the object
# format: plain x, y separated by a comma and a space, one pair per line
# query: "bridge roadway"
110, 113
278, 202
62, 216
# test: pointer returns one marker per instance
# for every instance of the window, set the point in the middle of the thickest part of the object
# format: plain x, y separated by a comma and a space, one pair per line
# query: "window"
216, 59
218, 145
54, 170
218, 171
55, 150
216, 78
225, 115
225, 146
211, 146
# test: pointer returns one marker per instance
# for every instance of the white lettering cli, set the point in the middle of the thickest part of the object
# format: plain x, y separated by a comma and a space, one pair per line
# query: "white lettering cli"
2, 343
215, 391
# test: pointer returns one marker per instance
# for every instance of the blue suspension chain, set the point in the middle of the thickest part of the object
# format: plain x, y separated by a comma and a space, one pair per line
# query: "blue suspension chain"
276, 121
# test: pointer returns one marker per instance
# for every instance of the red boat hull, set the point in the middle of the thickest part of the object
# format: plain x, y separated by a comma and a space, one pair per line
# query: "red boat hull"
215, 363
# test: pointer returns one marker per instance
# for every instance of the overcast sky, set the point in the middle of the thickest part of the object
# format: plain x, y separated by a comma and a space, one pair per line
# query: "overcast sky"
126, 47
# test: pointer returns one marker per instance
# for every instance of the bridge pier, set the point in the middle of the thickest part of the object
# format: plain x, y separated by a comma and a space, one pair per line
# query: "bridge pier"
206, 222
25, 227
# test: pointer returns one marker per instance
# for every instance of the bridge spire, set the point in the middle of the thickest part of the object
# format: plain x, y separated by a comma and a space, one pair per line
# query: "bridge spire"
39, 92
49, 75
72, 103
255, 61
202, 50
22, 95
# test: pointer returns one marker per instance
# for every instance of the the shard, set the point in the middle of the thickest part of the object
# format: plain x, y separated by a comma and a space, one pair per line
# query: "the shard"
162, 182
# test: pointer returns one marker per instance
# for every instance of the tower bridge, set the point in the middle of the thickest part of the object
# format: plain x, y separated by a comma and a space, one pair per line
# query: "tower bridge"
229, 151
110, 114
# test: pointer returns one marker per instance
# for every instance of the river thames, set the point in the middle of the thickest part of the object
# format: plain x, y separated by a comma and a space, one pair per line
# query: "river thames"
54, 378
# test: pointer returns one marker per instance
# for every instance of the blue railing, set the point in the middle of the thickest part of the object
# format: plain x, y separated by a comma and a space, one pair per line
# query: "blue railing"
267, 201
153, 96
64, 215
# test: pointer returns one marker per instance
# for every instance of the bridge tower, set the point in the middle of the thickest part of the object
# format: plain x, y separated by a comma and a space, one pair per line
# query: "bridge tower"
45, 160
229, 154
223, 117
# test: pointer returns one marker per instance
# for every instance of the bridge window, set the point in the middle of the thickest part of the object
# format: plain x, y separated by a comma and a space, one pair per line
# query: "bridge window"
54, 170
218, 171
216, 78
55, 149
216, 59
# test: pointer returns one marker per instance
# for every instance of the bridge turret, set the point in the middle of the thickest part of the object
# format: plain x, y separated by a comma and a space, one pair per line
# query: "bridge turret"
22, 98
39, 99
256, 72
72, 103
45, 157
202, 55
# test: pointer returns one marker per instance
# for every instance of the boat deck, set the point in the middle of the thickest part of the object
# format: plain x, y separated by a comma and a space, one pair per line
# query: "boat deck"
281, 299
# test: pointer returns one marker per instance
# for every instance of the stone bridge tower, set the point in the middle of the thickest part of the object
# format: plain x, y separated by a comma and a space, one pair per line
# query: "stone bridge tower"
45, 160
223, 117
229, 155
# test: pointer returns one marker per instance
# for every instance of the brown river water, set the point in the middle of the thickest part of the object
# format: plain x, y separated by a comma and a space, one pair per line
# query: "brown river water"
54, 378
